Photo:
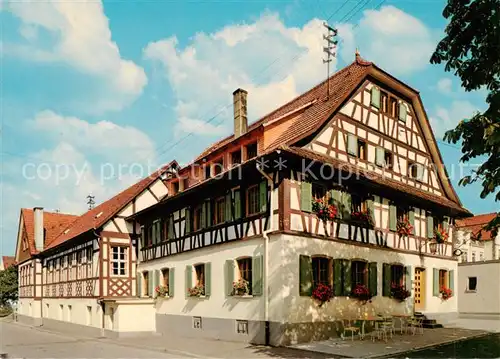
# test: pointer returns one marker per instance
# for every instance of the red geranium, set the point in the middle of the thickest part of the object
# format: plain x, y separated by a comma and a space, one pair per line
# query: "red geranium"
446, 293
322, 293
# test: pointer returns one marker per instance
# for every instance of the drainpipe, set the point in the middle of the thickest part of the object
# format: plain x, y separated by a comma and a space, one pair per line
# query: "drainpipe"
266, 255
100, 301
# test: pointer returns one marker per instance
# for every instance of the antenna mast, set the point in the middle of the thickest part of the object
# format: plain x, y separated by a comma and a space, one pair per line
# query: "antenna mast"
90, 201
331, 51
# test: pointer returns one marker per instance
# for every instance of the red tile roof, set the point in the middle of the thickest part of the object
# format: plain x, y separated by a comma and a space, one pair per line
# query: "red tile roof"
8, 261
476, 224
53, 223
98, 216
375, 177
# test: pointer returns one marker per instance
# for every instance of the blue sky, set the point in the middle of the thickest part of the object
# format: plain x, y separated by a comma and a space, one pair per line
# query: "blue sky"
96, 94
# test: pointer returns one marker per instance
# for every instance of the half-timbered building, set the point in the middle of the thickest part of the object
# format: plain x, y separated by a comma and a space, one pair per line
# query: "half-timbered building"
80, 271
342, 187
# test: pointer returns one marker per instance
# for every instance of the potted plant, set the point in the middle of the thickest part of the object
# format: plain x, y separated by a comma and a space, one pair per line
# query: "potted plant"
404, 227
322, 293
440, 235
362, 293
399, 292
240, 287
323, 210
161, 291
197, 291
446, 293
364, 217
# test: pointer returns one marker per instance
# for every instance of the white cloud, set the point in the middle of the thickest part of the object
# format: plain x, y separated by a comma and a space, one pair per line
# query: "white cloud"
82, 40
447, 118
444, 85
272, 62
390, 37
107, 139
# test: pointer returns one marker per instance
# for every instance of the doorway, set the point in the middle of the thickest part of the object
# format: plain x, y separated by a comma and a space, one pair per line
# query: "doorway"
419, 289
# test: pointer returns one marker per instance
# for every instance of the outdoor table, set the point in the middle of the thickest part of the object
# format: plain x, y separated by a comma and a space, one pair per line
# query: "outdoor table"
363, 321
402, 318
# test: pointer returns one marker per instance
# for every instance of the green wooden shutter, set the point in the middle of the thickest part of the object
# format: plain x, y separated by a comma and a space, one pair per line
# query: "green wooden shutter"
157, 281
392, 217
171, 282
373, 273
228, 215
347, 280
336, 196
171, 235
305, 275
375, 98
189, 279
257, 275
435, 282
154, 233
337, 277
188, 220
430, 226
138, 282
380, 157
408, 278
263, 196
371, 210
306, 196
143, 237
203, 222
411, 218
150, 283
208, 278
420, 172
229, 276
237, 205
445, 223
346, 205
209, 213
386, 284
451, 281
403, 111
352, 144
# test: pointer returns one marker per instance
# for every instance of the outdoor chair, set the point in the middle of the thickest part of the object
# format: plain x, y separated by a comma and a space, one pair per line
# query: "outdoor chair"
349, 325
415, 324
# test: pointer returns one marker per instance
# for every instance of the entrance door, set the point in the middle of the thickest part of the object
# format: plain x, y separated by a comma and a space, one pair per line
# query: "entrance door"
419, 289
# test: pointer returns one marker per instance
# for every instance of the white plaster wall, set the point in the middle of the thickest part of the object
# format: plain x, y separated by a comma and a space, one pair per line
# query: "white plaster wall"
486, 298
300, 309
51, 310
217, 305
29, 307
138, 316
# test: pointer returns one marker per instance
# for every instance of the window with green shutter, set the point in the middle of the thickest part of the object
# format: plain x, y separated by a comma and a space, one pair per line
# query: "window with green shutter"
171, 282
257, 275
411, 217
352, 144
263, 196
392, 217
430, 226
380, 156
346, 207
208, 279
435, 282
386, 282
143, 237
346, 277
373, 278
338, 283
402, 111
188, 282
138, 282
187, 220
171, 232
305, 275
306, 196
375, 97
237, 204
229, 266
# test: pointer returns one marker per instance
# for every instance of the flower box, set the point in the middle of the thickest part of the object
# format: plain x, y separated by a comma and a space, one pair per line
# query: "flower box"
446, 293
323, 210
440, 235
399, 292
363, 218
161, 291
196, 291
322, 293
433, 246
240, 287
362, 293
404, 227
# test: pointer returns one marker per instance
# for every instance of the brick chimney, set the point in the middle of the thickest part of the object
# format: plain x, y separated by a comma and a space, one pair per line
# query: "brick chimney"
240, 112
38, 225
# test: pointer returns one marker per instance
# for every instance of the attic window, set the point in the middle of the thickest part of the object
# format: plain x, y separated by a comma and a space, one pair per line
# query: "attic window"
98, 215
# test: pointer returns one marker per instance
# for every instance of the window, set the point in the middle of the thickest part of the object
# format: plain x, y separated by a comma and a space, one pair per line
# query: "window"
443, 278
397, 275
220, 208
236, 157
253, 200
118, 260
175, 187
318, 191
145, 282
321, 271
464, 256
384, 102
481, 256
218, 167
185, 183
362, 155
472, 284
388, 159
393, 103
412, 169
197, 214
165, 272
473, 256
359, 273
208, 172
245, 271
200, 274
251, 150
402, 213
357, 204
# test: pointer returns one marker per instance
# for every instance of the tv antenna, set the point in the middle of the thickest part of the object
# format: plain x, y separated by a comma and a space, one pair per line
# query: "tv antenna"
330, 50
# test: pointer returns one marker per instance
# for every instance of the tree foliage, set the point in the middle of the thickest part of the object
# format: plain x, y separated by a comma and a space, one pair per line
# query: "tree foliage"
8, 286
471, 49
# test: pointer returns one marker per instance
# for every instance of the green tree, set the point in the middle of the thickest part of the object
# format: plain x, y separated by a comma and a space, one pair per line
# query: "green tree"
471, 50
8, 285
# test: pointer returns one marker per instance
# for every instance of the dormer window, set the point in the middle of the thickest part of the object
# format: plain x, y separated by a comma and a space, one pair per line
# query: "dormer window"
175, 187
251, 150
236, 157
208, 172
218, 167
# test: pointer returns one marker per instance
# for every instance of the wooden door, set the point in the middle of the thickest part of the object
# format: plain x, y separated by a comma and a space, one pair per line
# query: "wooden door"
419, 289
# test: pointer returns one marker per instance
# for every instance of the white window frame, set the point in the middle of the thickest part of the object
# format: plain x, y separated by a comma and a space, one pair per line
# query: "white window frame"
119, 261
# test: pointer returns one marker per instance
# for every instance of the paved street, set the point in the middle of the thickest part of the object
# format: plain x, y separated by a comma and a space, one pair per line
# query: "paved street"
23, 341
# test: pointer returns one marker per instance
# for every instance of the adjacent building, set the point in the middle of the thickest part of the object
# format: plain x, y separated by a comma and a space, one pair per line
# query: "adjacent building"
7, 261
475, 243
332, 206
